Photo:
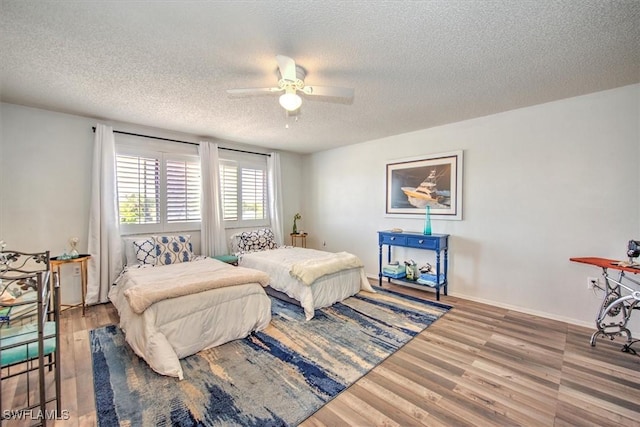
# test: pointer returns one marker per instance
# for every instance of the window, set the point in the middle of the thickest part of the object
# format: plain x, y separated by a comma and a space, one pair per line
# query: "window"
157, 191
243, 183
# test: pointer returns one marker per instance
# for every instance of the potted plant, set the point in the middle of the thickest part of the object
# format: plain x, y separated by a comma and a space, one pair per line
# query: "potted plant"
295, 225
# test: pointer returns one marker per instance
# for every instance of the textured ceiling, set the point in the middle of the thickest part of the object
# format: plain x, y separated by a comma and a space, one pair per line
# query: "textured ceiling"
413, 64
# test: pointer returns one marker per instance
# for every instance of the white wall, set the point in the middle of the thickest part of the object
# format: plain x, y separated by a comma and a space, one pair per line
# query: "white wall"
45, 177
541, 184
45, 170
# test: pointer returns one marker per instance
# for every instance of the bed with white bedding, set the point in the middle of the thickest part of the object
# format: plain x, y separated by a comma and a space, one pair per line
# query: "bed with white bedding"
315, 278
168, 312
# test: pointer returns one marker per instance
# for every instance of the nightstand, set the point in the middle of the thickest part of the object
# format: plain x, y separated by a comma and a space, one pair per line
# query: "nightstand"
301, 236
83, 259
229, 259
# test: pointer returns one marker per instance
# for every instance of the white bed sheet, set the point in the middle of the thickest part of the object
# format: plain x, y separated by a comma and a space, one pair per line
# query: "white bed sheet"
175, 328
324, 292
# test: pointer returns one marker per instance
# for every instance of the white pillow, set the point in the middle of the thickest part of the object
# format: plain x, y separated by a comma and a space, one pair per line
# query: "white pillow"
131, 256
145, 251
173, 249
129, 251
234, 241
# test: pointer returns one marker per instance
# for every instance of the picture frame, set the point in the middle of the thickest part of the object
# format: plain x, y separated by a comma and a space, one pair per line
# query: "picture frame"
434, 180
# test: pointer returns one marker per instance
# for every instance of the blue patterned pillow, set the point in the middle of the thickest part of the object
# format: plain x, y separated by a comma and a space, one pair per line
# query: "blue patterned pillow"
257, 240
145, 251
173, 249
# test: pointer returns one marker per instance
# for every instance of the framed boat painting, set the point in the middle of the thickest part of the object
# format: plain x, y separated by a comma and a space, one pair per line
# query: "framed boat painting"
432, 180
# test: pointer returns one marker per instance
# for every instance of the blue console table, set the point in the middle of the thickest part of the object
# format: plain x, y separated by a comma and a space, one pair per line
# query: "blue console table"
439, 243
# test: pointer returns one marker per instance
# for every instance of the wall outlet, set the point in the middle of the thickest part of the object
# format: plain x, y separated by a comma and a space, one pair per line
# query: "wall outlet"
324, 243
592, 282
76, 270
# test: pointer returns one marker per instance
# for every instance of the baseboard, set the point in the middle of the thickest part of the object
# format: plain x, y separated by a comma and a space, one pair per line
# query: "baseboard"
571, 321
545, 315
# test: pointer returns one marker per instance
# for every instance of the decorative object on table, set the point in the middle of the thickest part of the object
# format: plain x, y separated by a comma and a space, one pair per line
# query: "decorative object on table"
427, 268
73, 243
633, 251
296, 217
427, 221
412, 269
433, 180
243, 382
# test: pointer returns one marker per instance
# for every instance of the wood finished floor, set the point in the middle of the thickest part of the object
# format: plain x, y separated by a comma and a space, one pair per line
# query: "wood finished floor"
476, 366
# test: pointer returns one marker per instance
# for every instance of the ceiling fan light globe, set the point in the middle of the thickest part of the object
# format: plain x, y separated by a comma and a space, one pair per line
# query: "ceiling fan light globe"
290, 101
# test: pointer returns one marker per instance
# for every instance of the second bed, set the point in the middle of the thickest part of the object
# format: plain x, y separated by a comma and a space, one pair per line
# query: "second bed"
314, 278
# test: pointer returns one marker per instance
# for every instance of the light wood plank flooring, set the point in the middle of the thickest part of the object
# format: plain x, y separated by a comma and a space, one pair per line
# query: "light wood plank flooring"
477, 366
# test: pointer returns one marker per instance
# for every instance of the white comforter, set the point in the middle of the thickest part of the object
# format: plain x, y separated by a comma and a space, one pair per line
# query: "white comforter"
144, 287
171, 329
326, 290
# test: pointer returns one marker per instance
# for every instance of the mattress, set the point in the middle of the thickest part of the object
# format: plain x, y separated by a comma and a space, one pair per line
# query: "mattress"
323, 292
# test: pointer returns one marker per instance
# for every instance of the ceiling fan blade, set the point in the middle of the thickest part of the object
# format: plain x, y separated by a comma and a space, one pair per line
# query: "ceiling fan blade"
338, 92
254, 90
287, 67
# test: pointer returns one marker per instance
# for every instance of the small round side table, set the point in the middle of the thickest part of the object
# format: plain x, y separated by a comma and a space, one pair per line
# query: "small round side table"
83, 259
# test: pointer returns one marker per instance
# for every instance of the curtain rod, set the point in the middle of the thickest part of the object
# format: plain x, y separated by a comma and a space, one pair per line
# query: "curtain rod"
182, 142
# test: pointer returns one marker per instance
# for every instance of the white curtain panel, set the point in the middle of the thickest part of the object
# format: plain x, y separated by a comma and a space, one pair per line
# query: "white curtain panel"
275, 196
213, 240
105, 244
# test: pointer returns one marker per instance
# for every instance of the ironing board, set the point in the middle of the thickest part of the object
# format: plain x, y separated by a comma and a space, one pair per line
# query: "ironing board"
621, 298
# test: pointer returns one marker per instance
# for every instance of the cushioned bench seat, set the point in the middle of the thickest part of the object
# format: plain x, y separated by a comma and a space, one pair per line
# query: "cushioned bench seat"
28, 336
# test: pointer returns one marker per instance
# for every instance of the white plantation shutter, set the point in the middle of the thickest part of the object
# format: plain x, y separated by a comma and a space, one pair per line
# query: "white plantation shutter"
229, 189
243, 182
158, 191
254, 194
138, 181
183, 191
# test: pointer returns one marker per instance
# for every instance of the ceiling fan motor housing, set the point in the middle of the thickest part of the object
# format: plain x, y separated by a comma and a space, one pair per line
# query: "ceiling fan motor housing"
298, 84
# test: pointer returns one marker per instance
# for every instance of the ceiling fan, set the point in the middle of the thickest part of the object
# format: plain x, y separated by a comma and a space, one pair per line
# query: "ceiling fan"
291, 82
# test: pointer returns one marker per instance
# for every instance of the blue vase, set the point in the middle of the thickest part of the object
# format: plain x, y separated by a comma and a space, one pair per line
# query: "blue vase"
427, 221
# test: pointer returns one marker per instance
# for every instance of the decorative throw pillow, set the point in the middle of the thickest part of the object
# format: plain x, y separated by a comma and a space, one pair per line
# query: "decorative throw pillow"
257, 240
130, 250
173, 249
145, 251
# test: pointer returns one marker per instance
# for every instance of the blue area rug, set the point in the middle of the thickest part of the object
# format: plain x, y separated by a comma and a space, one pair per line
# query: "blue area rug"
276, 377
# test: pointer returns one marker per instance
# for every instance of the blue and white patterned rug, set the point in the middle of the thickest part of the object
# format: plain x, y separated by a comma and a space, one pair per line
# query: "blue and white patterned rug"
276, 377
